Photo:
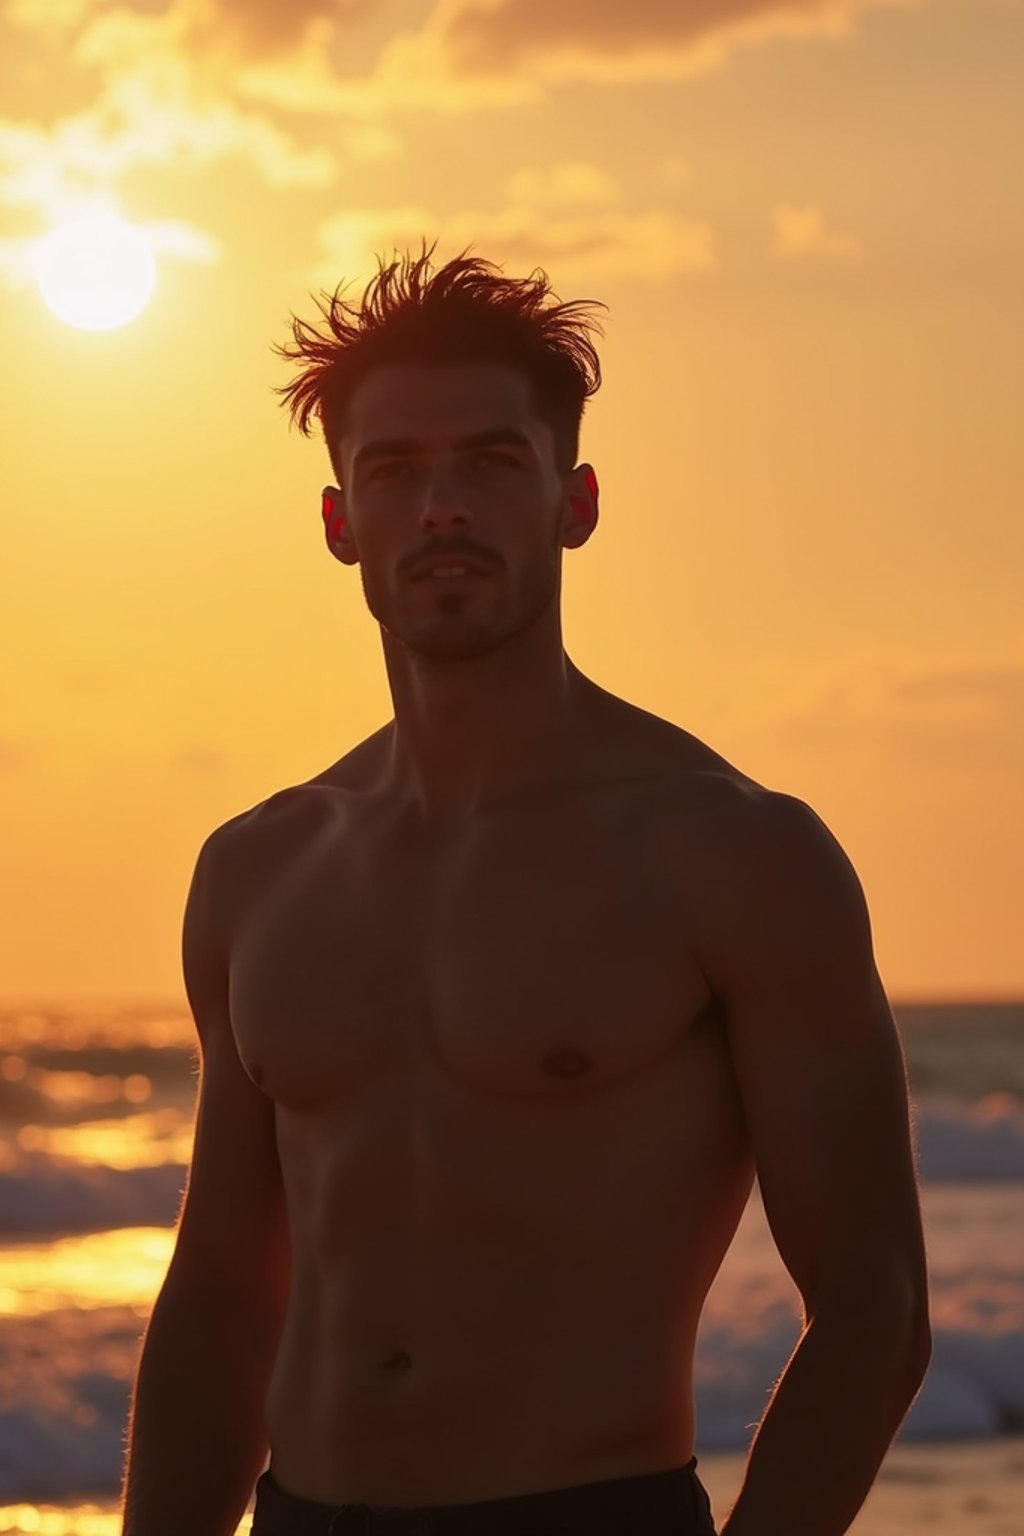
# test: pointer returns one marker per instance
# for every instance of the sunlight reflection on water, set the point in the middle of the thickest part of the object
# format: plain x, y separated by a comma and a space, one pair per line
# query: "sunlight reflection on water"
124, 1267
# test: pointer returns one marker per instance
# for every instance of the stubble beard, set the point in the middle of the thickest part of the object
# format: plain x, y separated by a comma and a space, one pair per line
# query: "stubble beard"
453, 633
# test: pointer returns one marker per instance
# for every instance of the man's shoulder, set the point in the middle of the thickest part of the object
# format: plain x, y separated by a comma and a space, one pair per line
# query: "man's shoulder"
748, 823
775, 872
694, 774
234, 845
293, 801
730, 825
643, 739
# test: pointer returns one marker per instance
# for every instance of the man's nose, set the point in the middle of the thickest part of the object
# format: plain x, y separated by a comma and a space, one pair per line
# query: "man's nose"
444, 502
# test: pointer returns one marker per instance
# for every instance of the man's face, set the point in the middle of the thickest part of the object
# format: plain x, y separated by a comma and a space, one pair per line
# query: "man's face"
451, 461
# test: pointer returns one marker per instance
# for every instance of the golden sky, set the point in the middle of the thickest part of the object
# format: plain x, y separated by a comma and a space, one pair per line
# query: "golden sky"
805, 217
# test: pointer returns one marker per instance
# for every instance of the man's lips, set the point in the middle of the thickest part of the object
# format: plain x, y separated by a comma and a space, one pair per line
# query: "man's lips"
429, 570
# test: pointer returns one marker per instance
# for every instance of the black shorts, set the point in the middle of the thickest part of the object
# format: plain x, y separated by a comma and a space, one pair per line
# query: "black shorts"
670, 1503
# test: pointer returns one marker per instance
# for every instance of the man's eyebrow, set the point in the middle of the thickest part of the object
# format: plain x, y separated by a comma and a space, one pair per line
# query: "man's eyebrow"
386, 446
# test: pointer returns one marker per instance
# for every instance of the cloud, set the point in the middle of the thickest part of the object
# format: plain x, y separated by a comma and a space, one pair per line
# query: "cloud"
199, 760
580, 246
938, 717
285, 55
251, 26
145, 118
182, 86
802, 232
467, 54
176, 237
174, 106
272, 25
989, 690
565, 215
576, 182
50, 15
510, 42
156, 105
306, 83
166, 95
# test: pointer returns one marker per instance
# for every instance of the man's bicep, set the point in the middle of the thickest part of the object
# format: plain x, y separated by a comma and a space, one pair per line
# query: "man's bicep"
232, 1229
819, 1065
829, 1125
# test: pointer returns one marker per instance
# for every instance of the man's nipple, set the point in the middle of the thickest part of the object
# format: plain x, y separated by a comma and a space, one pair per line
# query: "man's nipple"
399, 1363
567, 1063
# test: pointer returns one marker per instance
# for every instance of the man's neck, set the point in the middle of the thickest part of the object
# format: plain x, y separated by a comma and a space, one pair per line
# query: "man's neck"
467, 735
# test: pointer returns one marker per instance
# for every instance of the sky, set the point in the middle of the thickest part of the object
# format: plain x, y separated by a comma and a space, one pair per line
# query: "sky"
805, 218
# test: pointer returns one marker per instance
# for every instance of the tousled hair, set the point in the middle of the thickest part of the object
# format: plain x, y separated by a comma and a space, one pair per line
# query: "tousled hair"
465, 312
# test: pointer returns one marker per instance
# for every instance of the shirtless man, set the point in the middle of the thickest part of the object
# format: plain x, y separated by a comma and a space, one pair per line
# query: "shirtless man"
497, 1017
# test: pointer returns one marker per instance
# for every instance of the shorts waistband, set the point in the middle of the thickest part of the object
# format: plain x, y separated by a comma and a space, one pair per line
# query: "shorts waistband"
672, 1502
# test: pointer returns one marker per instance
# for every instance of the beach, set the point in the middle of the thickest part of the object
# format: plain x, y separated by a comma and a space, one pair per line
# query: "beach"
966, 1489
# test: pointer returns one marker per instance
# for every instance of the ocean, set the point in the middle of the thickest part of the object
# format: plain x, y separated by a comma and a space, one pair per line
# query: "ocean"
96, 1116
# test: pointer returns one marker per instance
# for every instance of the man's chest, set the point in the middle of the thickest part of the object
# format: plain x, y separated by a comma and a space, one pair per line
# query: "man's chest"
537, 954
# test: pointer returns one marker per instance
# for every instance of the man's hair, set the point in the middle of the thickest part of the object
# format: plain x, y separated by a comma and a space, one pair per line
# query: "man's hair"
465, 312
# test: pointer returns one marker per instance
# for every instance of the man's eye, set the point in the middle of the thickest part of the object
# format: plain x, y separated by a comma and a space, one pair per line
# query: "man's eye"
392, 469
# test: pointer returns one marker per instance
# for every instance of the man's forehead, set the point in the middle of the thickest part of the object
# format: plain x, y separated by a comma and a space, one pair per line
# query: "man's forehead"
450, 400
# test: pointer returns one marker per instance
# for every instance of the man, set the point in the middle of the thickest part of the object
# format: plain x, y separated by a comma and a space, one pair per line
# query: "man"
498, 1016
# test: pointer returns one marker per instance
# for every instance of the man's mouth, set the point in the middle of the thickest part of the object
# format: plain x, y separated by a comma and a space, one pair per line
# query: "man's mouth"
449, 570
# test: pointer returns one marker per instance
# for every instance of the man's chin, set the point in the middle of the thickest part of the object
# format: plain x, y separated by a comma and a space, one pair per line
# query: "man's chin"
446, 642
451, 647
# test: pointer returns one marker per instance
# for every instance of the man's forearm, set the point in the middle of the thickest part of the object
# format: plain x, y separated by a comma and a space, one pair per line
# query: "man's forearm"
833, 1416
197, 1433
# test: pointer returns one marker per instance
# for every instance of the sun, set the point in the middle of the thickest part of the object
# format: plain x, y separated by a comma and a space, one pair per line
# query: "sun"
95, 271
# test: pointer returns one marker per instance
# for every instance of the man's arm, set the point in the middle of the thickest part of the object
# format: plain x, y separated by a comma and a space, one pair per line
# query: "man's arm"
822, 1078
197, 1438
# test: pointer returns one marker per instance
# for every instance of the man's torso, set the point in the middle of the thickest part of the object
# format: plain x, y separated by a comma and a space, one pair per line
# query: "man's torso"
510, 1138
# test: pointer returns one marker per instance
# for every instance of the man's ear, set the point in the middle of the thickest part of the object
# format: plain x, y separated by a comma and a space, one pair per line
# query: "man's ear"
580, 511
336, 526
